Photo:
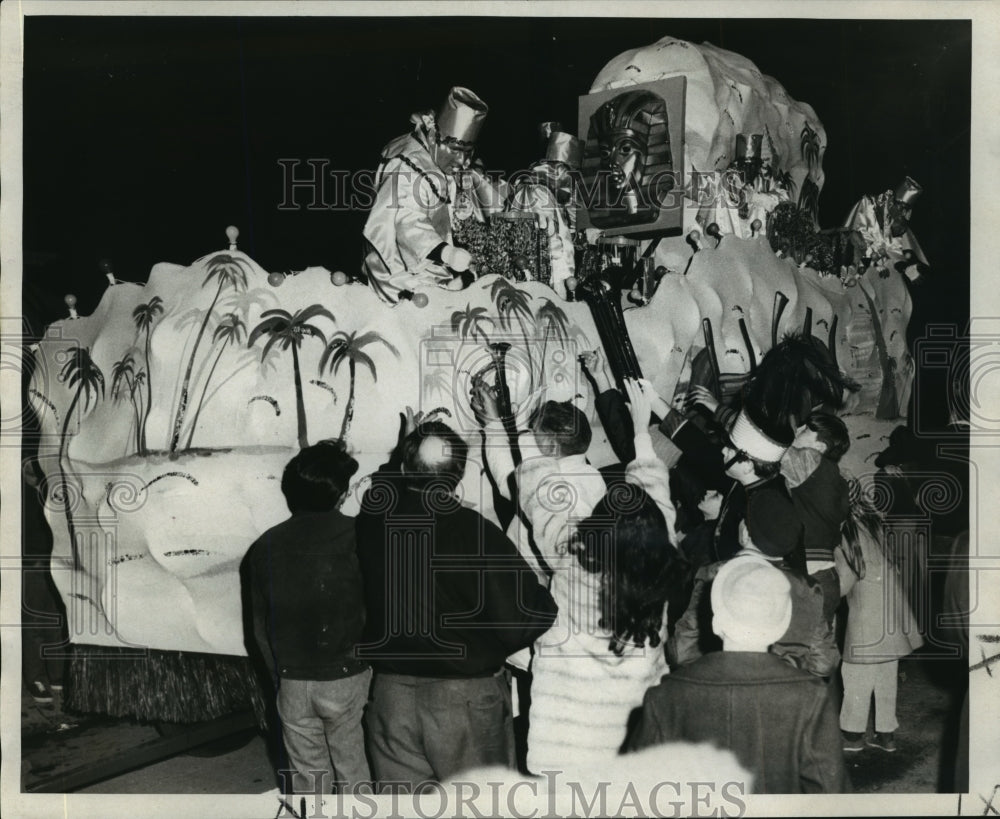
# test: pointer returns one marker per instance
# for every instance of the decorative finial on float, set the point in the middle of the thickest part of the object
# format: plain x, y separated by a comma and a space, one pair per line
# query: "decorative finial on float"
276, 279
755, 227
232, 233
107, 270
571, 284
339, 278
71, 304
694, 239
714, 231
419, 299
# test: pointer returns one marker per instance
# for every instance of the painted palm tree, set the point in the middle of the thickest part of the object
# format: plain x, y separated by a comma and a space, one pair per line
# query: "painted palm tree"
289, 330
231, 330
809, 144
784, 180
140, 379
349, 347
888, 404
229, 272
809, 199
123, 372
551, 320
468, 323
81, 372
772, 148
143, 316
436, 382
513, 301
244, 302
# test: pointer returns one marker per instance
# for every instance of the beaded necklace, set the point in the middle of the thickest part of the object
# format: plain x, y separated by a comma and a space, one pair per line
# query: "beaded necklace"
424, 175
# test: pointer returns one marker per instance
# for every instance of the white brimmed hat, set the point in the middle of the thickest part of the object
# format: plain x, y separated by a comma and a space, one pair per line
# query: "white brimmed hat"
757, 438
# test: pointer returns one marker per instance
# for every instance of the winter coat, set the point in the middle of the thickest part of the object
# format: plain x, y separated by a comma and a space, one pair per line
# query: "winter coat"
809, 642
880, 624
777, 720
306, 597
819, 494
447, 593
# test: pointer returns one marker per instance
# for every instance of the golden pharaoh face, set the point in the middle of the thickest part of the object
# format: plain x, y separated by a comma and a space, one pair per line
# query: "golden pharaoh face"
628, 151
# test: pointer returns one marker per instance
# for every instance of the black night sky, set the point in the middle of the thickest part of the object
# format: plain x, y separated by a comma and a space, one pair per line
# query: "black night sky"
144, 138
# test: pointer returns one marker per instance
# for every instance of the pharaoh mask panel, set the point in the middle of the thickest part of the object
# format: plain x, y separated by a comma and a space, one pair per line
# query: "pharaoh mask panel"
633, 158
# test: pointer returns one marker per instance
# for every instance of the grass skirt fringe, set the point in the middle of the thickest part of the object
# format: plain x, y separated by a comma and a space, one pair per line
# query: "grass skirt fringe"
160, 686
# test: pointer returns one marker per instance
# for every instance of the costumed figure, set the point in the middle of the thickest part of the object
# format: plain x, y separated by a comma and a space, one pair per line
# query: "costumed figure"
760, 196
408, 234
747, 193
550, 191
883, 222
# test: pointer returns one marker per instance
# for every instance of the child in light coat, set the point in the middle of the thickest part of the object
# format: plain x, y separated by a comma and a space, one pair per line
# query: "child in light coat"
880, 629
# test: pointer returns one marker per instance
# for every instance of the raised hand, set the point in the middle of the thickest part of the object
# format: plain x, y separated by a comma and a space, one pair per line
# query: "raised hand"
639, 405
711, 504
702, 395
656, 402
593, 362
483, 400
412, 420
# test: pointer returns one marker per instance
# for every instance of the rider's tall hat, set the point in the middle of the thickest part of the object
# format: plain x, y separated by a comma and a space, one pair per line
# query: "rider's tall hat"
461, 117
563, 147
907, 192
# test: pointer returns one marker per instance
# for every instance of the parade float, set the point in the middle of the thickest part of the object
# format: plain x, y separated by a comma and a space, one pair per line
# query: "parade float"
169, 413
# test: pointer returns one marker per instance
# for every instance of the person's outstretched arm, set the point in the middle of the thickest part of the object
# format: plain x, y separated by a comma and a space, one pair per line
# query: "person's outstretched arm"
516, 603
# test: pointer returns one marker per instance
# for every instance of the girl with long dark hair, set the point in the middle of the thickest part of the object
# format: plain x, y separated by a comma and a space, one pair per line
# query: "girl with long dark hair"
592, 668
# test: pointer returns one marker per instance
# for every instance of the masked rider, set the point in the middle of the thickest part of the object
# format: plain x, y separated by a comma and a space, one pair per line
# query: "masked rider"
408, 235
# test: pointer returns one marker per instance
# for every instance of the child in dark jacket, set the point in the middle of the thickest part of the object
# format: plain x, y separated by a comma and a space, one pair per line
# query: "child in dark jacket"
808, 643
308, 612
777, 720
820, 497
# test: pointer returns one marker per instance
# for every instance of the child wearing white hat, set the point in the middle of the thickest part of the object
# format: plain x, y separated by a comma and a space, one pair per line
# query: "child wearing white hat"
776, 719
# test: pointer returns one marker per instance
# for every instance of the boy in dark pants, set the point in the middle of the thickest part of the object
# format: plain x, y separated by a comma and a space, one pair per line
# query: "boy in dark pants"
308, 613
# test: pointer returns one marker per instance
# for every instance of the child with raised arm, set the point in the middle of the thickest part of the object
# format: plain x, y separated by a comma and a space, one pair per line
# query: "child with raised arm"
612, 571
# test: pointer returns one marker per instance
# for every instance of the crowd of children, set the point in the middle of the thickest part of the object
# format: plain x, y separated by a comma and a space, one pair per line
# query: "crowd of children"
688, 594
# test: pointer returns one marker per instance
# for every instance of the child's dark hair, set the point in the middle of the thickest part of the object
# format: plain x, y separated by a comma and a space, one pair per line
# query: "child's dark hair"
863, 516
763, 469
566, 423
625, 539
317, 477
832, 431
687, 489
449, 469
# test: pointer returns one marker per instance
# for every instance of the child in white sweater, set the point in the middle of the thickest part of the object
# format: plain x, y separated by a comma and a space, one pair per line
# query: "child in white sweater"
612, 570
